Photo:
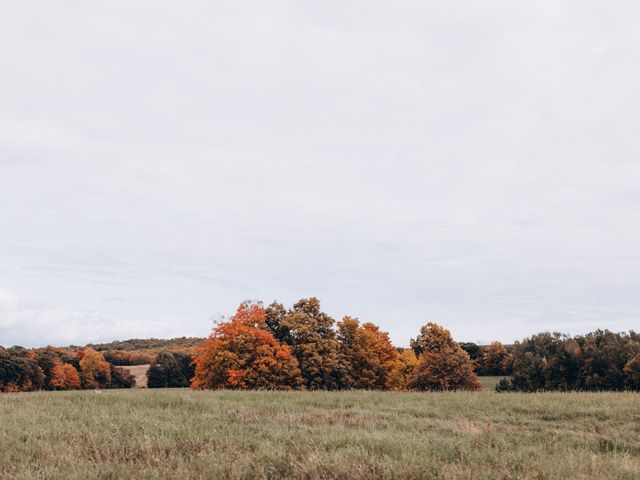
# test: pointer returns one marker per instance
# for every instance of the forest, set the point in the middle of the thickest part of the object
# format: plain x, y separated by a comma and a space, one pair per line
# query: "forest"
303, 348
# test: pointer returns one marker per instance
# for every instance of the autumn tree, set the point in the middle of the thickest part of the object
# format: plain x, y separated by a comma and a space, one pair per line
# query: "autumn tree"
369, 353
243, 354
311, 335
496, 360
403, 370
19, 370
432, 338
632, 371
65, 377
95, 372
442, 364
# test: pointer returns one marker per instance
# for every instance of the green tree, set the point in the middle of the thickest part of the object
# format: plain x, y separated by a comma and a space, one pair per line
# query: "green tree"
311, 336
171, 370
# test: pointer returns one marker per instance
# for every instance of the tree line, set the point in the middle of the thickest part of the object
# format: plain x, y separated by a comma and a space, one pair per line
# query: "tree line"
598, 361
302, 347
51, 368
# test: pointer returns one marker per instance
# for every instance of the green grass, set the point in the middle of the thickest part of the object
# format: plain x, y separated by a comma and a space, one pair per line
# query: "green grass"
177, 434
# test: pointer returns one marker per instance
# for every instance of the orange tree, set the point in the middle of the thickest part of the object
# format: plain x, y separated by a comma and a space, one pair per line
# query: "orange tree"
403, 370
95, 372
243, 354
65, 377
442, 364
370, 355
496, 360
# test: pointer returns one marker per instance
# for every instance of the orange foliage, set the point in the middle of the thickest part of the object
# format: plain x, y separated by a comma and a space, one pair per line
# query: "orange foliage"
403, 370
95, 371
442, 364
242, 354
58, 377
497, 361
71, 377
369, 352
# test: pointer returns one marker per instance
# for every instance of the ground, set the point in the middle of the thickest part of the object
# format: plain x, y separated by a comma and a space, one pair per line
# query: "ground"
180, 434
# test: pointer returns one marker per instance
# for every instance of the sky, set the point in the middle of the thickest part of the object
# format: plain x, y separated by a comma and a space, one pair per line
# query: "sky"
473, 164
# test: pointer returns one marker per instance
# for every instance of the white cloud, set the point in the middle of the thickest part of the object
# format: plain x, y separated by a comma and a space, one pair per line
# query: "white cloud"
474, 166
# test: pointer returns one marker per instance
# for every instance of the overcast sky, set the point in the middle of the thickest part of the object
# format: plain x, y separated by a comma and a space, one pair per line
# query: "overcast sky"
474, 164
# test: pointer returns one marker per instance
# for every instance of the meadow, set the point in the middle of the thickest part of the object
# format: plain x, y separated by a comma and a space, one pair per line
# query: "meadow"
179, 434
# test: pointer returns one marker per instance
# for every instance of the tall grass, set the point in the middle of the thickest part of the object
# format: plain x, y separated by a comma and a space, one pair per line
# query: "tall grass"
178, 434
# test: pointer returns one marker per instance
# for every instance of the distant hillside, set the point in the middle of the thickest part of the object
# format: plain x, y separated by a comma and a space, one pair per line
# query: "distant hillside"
141, 351
137, 344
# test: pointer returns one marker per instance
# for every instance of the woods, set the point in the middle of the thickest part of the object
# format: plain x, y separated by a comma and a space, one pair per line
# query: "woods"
304, 348
51, 368
598, 361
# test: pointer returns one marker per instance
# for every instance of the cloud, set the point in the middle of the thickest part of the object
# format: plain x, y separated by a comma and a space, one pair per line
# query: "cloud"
28, 322
471, 166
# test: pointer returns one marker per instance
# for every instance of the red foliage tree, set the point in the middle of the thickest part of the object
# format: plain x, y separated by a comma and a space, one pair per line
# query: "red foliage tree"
243, 354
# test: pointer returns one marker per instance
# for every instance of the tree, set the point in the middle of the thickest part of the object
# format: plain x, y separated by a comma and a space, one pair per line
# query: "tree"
472, 349
370, 355
121, 378
310, 334
632, 371
71, 377
442, 364
552, 361
65, 377
433, 338
243, 354
496, 360
403, 370
604, 357
48, 359
546, 361
170, 370
94, 370
19, 371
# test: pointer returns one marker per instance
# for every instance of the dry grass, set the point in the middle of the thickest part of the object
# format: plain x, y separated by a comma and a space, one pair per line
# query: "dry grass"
140, 372
179, 434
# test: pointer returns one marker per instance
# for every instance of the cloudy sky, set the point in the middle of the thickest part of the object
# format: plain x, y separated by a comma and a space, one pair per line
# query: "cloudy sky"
476, 164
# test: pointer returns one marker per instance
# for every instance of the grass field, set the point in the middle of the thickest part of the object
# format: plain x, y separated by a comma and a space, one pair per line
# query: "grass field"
177, 434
